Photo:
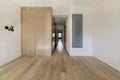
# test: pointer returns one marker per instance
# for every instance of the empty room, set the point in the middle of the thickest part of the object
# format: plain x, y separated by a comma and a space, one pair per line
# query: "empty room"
59, 40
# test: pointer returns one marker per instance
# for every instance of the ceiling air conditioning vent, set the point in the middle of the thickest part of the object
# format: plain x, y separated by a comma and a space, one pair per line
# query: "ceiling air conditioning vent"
35, 8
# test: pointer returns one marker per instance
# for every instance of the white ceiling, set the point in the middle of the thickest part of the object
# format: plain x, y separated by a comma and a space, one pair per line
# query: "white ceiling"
60, 27
60, 20
60, 7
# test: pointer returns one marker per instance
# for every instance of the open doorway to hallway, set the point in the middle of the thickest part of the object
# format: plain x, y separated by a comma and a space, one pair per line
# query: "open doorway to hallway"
59, 33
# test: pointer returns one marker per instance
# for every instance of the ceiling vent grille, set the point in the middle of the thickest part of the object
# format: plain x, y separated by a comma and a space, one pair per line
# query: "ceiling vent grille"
35, 8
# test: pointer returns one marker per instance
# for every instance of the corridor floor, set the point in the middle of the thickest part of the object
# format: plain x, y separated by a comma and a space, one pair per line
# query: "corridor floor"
60, 66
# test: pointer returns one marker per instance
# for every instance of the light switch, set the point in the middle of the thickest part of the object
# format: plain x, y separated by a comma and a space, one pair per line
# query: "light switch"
5, 43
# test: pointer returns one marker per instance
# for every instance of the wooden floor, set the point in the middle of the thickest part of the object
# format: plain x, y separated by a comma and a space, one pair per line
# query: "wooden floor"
58, 67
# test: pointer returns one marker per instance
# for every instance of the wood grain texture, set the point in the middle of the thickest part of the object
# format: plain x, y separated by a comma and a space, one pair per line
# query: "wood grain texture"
36, 31
58, 67
28, 32
43, 32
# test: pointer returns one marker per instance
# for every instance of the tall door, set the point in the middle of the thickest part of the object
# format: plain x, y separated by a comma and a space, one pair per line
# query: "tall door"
36, 31
28, 32
43, 32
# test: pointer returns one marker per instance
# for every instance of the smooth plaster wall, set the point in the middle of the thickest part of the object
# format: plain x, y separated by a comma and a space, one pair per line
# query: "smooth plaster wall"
106, 31
87, 31
9, 41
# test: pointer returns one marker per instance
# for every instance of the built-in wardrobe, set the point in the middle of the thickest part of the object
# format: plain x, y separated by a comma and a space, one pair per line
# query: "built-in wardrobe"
36, 29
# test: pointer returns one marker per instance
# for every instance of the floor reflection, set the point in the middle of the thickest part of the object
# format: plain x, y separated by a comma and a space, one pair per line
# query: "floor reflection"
60, 47
60, 50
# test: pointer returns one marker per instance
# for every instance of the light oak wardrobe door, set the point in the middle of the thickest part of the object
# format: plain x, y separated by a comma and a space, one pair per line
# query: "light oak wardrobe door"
28, 32
43, 32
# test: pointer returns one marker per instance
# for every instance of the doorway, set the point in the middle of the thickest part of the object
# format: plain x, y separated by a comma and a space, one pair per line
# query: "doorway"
59, 34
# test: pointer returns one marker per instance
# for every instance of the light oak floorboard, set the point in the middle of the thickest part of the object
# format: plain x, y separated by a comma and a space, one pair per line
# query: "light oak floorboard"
60, 66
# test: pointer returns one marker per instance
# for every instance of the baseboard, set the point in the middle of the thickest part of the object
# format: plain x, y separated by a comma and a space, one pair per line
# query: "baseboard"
10, 61
107, 64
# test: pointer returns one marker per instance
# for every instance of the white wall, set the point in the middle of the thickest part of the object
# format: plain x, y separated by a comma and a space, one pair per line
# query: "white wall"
60, 7
68, 34
106, 31
87, 31
9, 41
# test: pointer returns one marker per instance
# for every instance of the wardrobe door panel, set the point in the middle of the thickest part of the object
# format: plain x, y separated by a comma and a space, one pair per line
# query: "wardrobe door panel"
28, 33
43, 33
36, 31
